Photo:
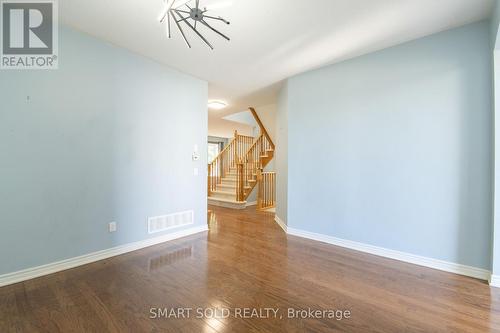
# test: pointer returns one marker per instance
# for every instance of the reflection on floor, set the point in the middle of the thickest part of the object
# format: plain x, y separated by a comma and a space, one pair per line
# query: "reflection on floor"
246, 262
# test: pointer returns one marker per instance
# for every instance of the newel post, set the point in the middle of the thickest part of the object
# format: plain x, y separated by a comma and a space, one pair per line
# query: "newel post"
239, 186
260, 189
209, 181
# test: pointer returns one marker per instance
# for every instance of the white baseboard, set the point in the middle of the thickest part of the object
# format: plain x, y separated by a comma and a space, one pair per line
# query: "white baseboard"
281, 223
253, 203
62, 265
474, 272
495, 281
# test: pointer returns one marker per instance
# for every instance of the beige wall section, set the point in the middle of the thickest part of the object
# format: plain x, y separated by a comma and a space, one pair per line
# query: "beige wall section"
225, 128
267, 115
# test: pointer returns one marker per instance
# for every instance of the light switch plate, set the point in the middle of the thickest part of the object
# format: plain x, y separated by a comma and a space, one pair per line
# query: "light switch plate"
112, 227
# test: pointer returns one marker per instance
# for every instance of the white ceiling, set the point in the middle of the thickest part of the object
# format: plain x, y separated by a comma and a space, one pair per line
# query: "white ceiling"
271, 40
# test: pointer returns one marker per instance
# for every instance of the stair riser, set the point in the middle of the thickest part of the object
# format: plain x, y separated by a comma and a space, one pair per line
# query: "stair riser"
227, 187
231, 196
232, 205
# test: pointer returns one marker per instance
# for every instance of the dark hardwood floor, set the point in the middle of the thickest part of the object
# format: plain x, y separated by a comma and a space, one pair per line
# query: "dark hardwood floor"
246, 261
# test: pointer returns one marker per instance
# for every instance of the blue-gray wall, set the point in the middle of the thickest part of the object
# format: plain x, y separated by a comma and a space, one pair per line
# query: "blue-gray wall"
495, 21
281, 155
107, 137
494, 24
496, 153
393, 148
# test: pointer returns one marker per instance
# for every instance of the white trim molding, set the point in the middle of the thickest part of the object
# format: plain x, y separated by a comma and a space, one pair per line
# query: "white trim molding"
495, 281
281, 223
474, 272
31, 273
252, 203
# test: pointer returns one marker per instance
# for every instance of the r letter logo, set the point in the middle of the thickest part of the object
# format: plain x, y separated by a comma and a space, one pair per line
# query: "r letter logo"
29, 34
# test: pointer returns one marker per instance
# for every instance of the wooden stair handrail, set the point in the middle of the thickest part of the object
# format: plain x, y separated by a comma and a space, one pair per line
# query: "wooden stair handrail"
248, 155
262, 128
227, 159
217, 168
255, 159
262, 145
253, 146
224, 150
236, 135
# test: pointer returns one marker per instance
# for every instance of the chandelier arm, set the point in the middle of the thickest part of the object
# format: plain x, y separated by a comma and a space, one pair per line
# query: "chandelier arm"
164, 14
216, 18
172, 11
180, 29
169, 30
215, 30
196, 31
184, 19
162, 17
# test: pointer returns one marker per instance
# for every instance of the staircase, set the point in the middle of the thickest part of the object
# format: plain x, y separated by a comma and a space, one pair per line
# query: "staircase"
238, 169
225, 193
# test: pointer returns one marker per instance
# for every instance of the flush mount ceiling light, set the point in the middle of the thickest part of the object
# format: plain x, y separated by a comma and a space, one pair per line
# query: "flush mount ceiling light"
217, 105
180, 12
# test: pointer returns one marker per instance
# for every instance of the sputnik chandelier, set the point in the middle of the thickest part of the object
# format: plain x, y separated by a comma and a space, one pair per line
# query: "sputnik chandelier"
180, 12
